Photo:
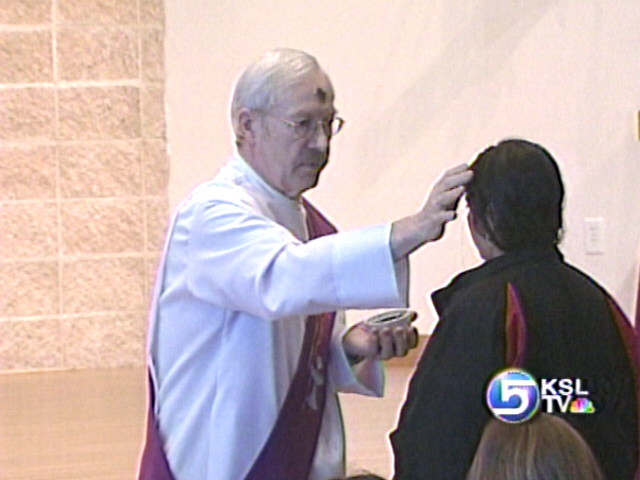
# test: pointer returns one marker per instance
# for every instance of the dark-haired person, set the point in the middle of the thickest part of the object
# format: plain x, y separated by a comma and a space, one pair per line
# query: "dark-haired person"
573, 328
543, 448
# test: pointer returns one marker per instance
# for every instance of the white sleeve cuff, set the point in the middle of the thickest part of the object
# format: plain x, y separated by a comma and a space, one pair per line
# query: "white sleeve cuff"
365, 378
386, 286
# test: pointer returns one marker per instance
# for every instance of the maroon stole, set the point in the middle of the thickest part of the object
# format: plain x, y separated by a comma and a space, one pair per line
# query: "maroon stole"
637, 333
291, 446
630, 340
516, 335
637, 324
153, 464
515, 329
290, 449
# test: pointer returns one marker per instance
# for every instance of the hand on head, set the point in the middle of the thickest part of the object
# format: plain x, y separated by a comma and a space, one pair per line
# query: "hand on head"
409, 233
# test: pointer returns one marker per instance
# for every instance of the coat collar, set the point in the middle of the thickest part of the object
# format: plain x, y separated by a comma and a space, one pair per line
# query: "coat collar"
442, 297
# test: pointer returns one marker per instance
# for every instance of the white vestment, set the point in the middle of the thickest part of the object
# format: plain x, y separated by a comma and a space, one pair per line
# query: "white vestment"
237, 280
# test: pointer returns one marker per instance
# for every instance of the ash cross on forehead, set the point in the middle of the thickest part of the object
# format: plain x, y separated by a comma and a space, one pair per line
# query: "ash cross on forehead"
321, 94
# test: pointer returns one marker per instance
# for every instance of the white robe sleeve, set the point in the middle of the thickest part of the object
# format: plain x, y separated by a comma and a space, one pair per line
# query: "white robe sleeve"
231, 272
242, 261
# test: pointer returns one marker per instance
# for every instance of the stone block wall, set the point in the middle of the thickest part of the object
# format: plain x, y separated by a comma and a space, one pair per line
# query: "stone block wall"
83, 180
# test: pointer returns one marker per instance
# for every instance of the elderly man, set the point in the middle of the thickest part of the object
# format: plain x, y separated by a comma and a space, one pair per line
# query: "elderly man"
246, 348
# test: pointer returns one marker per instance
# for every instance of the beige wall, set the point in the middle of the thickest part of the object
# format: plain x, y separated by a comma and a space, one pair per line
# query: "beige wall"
83, 179
425, 85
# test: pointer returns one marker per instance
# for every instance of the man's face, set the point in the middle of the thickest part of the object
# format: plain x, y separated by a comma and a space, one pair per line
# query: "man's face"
291, 163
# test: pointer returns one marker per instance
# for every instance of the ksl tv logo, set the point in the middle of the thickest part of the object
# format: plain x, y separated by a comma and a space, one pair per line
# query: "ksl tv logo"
515, 396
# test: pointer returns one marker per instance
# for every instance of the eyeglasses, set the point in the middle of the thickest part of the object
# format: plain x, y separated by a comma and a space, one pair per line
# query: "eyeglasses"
306, 128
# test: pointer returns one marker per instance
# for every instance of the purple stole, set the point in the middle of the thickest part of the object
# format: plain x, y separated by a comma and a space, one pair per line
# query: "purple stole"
153, 464
637, 332
290, 449
630, 340
515, 330
516, 337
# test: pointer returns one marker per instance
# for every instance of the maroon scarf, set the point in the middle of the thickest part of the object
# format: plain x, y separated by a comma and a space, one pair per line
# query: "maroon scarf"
630, 340
515, 329
290, 448
516, 337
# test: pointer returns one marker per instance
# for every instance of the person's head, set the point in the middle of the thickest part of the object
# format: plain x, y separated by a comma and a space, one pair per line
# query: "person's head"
283, 119
544, 448
515, 198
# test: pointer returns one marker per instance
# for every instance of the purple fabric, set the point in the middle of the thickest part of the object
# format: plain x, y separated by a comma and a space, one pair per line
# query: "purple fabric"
289, 451
153, 464
516, 340
515, 329
637, 334
637, 324
630, 339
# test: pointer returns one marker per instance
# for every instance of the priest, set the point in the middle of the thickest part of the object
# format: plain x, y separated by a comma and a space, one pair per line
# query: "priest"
247, 339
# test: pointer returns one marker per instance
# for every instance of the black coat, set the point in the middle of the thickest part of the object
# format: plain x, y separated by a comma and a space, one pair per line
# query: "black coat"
571, 333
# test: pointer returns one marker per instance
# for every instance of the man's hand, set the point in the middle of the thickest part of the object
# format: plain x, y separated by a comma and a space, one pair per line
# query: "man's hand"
409, 233
363, 341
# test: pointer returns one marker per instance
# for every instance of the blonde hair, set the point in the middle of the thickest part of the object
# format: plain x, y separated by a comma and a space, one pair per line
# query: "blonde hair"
544, 448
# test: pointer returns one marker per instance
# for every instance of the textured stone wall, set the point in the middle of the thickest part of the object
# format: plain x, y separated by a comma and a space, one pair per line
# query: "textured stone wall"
83, 179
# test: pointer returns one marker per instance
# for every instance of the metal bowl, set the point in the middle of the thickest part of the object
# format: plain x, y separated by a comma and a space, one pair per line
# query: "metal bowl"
393, 318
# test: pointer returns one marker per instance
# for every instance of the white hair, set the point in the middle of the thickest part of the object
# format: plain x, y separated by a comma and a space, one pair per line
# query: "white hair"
260, 85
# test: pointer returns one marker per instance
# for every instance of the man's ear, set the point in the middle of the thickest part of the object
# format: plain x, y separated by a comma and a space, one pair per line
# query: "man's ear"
246, 126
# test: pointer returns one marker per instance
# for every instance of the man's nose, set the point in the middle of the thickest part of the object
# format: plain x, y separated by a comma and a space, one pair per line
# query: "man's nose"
320, 139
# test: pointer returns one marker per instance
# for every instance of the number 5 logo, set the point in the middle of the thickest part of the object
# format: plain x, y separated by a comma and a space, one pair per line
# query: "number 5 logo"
513, 396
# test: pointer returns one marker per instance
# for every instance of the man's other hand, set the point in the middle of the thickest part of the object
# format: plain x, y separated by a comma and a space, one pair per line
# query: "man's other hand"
363, 341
